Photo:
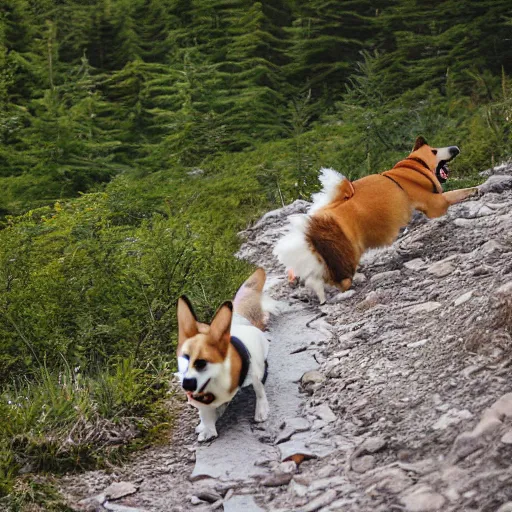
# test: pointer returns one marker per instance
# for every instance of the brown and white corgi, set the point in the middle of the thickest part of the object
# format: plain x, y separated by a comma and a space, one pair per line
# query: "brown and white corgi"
346, 219
216, 360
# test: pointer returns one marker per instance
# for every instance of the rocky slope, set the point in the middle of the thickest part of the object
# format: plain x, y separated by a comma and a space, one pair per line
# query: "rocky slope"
408, 404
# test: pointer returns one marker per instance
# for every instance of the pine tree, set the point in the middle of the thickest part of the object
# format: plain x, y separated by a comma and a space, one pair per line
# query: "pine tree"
326, 40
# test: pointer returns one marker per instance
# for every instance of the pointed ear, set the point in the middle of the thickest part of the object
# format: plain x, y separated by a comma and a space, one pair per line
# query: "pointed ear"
187, 321
346, 189
220, 328
420, 141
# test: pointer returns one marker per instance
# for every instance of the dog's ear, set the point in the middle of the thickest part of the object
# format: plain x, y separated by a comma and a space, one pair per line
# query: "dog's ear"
188, 326
420, 141
346, 189
220, 328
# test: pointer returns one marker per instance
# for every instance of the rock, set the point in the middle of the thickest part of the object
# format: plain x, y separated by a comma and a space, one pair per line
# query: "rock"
422, 498
363, 464
507, 437
416, 344
489, 247
370, 301
504, 290
372, 445
116, 507
491, 419
119, 489
320, 501
312, 377
358, 278
463, 298
388, 480
441, 268
384, 276
244, 503
208, 495
297, 489
452, 417
326, 483
292, 426
92, 504
325, 413
466, 223
425, 307
496, 183
503, 406
415, 264
277, 480
344, 295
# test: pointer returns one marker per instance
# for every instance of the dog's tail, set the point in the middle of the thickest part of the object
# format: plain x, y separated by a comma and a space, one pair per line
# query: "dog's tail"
249, 300
334, 185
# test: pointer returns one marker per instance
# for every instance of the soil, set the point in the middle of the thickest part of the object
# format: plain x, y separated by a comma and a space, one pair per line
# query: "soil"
395, 395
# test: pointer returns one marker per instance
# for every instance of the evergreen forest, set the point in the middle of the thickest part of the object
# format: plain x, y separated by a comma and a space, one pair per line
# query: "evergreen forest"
138, 137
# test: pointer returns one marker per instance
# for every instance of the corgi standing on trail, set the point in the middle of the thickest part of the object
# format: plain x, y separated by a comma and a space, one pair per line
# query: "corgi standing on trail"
325, 245
216, 360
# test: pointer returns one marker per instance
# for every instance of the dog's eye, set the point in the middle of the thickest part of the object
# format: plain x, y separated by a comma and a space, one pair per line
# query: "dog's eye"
434, 151
200, 364
185, 356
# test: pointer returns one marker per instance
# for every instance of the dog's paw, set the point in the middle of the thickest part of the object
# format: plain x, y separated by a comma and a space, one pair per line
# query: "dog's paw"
207, 434
262, 410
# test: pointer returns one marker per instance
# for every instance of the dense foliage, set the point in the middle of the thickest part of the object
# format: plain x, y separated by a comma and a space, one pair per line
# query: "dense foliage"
137, 137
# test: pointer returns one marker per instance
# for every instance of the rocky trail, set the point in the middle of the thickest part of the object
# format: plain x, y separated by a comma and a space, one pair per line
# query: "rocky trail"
394, 396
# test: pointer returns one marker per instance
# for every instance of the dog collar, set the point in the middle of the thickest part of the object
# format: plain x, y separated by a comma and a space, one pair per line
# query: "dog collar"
404, 163
245, 356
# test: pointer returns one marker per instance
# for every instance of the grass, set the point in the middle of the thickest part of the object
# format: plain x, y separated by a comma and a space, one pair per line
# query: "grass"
72, 420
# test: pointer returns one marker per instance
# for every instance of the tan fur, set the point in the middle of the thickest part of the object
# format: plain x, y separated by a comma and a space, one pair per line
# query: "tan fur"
203, 341
377, 211
247, 302
211, 342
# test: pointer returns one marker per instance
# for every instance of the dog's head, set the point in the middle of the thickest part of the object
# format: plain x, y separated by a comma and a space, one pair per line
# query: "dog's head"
202, 348
435, 158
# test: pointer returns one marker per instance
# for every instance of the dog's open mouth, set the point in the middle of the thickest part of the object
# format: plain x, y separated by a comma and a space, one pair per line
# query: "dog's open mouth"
203, 398
442, 171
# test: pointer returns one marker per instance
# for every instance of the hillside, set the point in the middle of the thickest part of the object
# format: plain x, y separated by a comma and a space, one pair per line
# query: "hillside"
139, 137
398, 397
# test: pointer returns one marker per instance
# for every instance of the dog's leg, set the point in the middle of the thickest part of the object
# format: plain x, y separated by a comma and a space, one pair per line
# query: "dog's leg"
262, 408
438, 204
456, 196
206, 428
318, 287
346, 284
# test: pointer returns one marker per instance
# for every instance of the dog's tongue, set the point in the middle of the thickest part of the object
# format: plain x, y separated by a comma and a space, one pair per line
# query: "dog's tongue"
442, 173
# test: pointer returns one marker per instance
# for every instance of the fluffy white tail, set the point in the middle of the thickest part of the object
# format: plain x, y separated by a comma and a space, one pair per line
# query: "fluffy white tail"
330, 179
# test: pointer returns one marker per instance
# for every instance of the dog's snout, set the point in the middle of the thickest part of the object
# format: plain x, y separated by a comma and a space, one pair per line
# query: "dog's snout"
454, 151
189, 384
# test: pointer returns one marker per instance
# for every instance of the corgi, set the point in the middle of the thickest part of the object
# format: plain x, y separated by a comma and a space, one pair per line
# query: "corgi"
326, 244
216, 360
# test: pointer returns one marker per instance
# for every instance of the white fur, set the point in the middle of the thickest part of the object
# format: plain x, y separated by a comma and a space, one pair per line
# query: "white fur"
445, 153
220, 378
294, 252
330, 179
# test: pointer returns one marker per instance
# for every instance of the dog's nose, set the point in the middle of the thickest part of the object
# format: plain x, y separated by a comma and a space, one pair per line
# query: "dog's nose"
454, 151
189, 384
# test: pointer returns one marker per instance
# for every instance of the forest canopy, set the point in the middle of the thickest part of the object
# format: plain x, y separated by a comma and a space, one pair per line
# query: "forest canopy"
138, 137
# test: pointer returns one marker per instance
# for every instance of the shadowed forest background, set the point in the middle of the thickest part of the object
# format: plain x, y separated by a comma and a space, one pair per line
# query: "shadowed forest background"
137, 137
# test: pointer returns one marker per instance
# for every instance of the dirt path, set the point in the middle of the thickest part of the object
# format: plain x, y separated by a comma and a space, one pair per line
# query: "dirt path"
409, 407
